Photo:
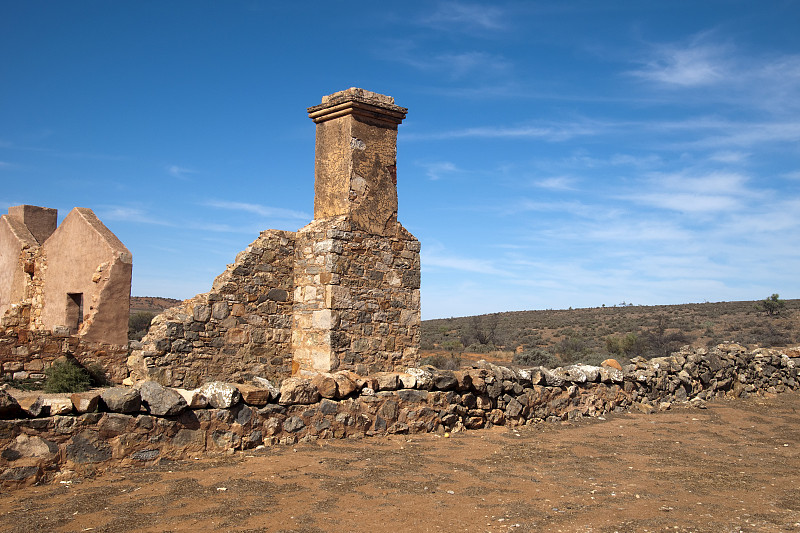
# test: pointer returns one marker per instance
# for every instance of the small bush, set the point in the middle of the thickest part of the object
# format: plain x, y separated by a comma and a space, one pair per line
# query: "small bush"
97, 375
452, 346
442, 362
535, 357
67, 376
138, 324
772, 305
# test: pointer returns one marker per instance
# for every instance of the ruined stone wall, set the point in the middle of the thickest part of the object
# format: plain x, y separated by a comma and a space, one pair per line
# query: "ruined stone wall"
356, 298
26, 353
239, 329
17, 251
148, 423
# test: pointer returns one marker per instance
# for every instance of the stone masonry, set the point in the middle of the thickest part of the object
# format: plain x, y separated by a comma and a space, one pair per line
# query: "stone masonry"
43, 436
340, 293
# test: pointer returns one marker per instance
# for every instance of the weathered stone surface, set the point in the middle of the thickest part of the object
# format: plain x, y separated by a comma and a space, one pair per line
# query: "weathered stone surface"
122, 399
274, 391
85, 447
25, 446
326, 385
33, 406
612, 363
444, 380
293, 423
552, 377
514, 400
387, 381
57, 404
345, 385
254, 395
194, 398
298, 391
85, 402
221, 395
159, 400
423, 377
20, 476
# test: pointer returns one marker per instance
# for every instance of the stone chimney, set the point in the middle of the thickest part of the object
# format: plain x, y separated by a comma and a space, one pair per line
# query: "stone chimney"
40, 221
355, 168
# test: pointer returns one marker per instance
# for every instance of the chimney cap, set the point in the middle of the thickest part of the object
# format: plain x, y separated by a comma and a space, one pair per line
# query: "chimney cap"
359, 102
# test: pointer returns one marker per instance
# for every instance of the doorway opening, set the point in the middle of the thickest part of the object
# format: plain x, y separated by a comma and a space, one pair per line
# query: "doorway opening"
74, 311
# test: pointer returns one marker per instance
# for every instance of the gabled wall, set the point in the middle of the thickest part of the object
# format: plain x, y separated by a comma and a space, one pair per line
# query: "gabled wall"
17, 247
82, 257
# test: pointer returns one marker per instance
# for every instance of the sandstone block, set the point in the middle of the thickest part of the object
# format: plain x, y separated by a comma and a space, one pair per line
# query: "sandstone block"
298, 391
57, 405
326, 385
344, 384
387, 381
253, 394
25, 446
33, 406
194, 398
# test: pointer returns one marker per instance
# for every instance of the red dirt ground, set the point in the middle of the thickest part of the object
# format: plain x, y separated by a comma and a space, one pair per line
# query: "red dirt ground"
734, 466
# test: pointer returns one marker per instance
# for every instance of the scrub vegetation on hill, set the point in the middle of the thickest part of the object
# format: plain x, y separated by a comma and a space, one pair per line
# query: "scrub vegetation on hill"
623, 331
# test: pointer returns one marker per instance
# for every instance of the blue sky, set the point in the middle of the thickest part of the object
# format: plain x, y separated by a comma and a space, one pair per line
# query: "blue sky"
555, 154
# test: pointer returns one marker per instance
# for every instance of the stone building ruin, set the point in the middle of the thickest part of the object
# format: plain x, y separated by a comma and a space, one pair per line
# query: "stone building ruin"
71, 279
341, 293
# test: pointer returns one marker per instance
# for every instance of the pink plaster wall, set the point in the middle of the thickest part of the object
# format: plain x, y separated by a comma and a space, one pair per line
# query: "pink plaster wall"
83, 256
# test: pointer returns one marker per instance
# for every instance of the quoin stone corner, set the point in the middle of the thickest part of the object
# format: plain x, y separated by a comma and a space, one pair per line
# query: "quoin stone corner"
341, 293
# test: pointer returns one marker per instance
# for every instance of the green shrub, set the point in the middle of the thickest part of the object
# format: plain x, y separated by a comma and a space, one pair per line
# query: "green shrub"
67, 376
97, 374
535, 357
442, 362
772, 305
138, 324
626, 345
571, 348
452, 346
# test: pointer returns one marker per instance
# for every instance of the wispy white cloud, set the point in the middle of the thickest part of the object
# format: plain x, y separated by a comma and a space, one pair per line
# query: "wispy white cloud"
685, 66
436, 257
471, 65
556, 183
792, 175
130, 214
707, 193
460, 16
261, 210
179, 172
553, 132
439, 169
729, 157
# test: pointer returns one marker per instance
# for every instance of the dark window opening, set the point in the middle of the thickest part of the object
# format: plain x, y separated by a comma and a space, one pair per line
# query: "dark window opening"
74, 311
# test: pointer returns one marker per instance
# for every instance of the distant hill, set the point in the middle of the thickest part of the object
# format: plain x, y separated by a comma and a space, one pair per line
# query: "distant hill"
151, 304
593, 334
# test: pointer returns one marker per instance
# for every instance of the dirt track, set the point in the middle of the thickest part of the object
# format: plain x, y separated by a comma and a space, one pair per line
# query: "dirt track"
732, 467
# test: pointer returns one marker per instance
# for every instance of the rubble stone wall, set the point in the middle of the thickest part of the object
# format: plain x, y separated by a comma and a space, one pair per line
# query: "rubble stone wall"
27, 353
356, 298
150, 423
239, 329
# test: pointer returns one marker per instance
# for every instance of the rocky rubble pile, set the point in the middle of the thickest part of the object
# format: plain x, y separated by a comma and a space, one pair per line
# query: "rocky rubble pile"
41, 435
